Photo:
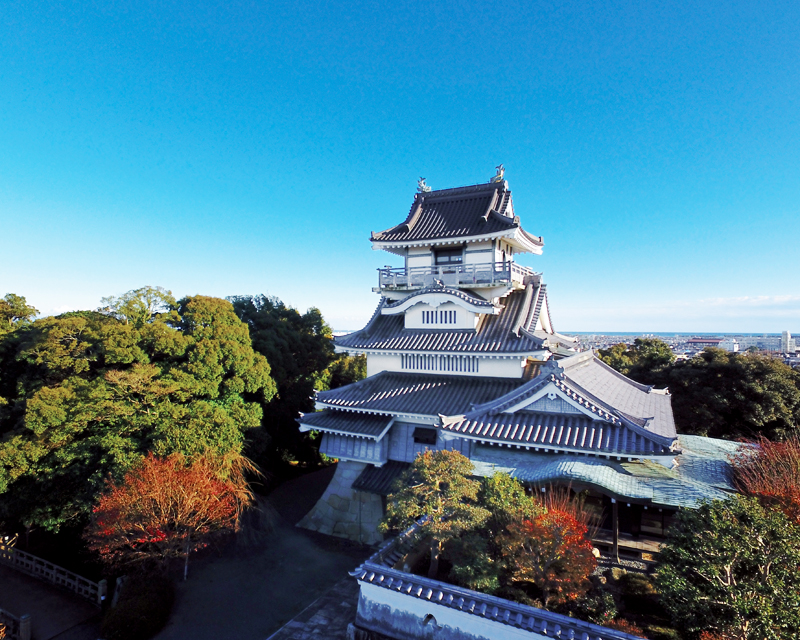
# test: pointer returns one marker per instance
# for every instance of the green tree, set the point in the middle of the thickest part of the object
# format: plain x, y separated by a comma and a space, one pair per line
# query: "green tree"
731, 395
476, 555
646, 360
732, 567
717, 393
15, 311
438, 493
93, 392
299, 348
141, 306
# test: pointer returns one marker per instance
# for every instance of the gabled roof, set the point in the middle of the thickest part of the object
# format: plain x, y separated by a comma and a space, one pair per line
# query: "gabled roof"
588, 375
609, 415
549, 431
419, 394
479, 305
359, 425
510, 331
448, 214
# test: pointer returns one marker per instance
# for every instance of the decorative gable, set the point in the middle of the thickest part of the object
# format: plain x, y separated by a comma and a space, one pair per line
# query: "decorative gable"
551, 403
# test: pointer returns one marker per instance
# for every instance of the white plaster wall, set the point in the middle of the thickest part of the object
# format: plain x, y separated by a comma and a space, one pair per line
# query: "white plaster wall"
403, 448
377, 362
401, 616
419, 257
479, 253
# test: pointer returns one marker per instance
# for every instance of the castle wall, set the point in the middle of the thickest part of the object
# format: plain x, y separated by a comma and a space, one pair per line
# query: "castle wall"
344, 512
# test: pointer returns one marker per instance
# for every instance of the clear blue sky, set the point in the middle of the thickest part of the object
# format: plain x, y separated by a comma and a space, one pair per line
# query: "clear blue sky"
248, 147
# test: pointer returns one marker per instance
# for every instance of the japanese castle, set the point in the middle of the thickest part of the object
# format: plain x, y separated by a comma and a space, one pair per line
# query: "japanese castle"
462, 354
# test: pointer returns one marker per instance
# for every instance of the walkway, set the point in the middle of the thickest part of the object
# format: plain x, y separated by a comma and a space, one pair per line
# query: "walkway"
326, 618
54, 612
250, 592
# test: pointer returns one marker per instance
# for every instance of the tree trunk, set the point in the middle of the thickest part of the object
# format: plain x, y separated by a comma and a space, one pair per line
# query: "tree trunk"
436, 549
186, 563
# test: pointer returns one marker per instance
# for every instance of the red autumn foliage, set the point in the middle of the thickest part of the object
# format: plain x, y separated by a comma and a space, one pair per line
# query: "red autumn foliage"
771, 472
551, 552
626, 626
165, 508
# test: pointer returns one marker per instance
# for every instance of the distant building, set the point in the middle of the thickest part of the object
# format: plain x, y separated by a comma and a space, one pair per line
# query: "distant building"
730, 344
702, 343
788, 344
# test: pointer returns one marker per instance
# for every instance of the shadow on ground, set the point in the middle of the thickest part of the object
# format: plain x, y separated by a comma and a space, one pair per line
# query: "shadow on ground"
254, 587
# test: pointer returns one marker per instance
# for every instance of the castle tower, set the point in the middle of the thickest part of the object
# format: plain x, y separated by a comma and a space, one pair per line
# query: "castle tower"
462, 354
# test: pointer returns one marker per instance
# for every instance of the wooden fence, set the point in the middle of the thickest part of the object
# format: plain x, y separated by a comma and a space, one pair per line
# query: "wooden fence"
32, 565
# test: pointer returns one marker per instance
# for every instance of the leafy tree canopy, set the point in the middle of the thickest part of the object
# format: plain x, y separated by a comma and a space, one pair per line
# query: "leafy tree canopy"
299, 348
645, 360
438, 488
15, 311
166, 508
717, 393
731, 567
89, 393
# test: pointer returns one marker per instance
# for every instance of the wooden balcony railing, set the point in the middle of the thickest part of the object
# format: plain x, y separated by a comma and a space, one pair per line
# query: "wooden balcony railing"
488, 274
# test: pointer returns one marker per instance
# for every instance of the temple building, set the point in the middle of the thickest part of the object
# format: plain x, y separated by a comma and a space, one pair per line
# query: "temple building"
462, 354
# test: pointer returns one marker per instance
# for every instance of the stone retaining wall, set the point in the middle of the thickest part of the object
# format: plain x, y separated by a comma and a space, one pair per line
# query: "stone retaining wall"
344, 512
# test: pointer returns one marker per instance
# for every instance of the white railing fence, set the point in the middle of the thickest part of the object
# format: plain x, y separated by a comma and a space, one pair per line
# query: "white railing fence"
39, 568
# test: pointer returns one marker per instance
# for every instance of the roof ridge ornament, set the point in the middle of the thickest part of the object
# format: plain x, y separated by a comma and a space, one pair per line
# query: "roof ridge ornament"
422, 187
501, 170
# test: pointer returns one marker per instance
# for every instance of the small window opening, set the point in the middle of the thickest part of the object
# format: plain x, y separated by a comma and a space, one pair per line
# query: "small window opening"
423, 435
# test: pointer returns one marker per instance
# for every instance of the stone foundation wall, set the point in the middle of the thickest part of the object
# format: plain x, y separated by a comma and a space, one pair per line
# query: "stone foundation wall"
344, 512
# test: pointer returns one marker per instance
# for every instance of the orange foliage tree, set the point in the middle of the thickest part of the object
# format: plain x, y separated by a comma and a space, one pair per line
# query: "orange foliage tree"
771, 472
552, 552
167, 508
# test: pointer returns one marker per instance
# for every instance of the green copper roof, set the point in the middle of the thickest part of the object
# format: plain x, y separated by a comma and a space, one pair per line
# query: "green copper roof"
701, 472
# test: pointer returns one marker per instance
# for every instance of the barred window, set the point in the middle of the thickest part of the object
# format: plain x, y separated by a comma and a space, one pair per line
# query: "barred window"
454, 364
439, 317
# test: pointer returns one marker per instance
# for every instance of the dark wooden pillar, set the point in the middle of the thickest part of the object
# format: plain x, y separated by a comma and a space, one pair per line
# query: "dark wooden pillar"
615, 526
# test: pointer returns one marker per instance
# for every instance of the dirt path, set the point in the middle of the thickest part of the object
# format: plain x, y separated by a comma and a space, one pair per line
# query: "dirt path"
249, 593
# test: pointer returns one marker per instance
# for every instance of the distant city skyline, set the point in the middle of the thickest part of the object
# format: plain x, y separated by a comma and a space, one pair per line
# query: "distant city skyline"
235, 148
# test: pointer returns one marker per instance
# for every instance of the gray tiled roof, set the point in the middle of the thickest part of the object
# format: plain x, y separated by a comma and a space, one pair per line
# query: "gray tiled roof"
554, 431
494, 334
702, 472
638, 417
362, 425
416, 393
455, 213
379, 480
475, 301
590, 375
379, 570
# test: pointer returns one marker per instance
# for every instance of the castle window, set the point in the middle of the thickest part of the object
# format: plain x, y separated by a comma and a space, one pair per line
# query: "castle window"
449, 256
441, 316
423, 435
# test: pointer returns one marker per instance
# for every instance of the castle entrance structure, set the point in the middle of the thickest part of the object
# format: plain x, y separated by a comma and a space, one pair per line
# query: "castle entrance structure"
462, 354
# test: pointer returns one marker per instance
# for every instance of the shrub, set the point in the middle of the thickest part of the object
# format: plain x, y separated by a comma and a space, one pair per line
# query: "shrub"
638, 593
143, 608
620, 624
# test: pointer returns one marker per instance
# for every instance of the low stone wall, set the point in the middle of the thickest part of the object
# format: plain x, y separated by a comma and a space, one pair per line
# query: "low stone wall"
344, 512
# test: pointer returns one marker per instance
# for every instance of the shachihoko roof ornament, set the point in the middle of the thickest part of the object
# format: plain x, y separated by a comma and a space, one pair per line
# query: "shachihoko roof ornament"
422, 187
498, 177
